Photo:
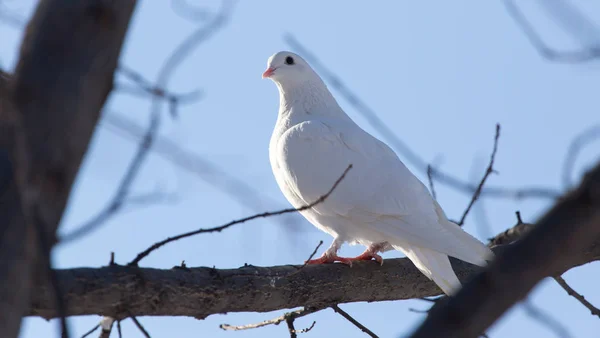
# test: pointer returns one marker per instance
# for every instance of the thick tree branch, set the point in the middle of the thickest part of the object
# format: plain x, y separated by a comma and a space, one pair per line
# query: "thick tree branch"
116, 291
547, 250
63, 76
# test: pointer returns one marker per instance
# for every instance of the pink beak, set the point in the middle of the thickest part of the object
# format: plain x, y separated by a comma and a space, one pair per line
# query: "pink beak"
268, 72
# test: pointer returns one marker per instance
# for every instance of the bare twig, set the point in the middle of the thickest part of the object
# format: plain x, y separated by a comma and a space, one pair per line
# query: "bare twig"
579, 142
176, 58
354, 321
309, 258
430, 178
106, 325
157, 245
488, 171
91, 331
306, 329
571, 292
275, 321
546, 320
577, 56
119, 328
291, 329
140, 326
399, 145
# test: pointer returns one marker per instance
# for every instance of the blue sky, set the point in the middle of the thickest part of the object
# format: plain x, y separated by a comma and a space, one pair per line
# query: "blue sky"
440, 74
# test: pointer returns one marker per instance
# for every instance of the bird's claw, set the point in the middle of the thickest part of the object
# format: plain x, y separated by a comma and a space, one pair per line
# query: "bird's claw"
328, 259
367, 256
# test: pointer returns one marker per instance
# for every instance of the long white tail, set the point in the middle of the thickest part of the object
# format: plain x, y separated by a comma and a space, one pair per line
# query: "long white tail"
435, 265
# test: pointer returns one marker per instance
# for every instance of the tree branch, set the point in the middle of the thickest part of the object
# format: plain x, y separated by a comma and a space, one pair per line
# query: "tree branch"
547, 250
63, 76
116, 291
571, 292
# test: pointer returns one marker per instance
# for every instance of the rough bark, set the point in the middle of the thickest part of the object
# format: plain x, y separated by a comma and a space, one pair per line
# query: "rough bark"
48, 112
546, 250
116, 291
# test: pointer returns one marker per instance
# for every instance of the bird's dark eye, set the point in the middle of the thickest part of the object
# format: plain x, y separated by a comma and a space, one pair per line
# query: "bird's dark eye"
289, 60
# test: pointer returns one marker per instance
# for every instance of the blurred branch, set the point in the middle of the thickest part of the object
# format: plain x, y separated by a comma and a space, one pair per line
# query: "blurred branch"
189, 12
488, 171
545, 319
44, 159
547, 250
176, 58
209, 172
157, 245
362, 108
571, 292
10, 18
430, 179
582, 140
578, 56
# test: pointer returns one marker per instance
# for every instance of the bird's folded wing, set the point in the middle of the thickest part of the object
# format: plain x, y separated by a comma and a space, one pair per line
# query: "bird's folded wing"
379, 191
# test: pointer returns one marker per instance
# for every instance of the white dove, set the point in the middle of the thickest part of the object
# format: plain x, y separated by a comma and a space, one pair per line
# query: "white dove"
380, 204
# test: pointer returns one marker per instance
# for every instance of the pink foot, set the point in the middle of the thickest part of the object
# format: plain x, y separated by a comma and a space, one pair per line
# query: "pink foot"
327, 259
367, 256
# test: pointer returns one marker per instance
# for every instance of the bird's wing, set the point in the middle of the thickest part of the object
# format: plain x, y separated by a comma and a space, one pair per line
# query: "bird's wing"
379, 191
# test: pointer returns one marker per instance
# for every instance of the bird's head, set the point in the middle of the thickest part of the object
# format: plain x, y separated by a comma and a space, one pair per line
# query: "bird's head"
288, 69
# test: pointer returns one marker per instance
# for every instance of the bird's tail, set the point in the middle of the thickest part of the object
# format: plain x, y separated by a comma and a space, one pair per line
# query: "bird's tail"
435, 265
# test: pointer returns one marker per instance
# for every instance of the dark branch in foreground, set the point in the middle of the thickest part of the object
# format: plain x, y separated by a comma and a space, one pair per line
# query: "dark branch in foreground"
572, 223
157, 245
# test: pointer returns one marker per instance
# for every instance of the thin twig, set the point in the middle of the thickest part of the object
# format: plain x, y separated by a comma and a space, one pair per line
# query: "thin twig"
157, 245
488, 172
306, 329
275, 321
140, 326
362, 108
430, 178
306, 261
546, 320
354, 321
571, 292
291, 329
91, 331
175, 59
119, 329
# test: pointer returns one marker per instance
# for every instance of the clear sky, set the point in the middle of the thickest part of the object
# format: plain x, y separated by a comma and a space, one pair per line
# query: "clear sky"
440, 74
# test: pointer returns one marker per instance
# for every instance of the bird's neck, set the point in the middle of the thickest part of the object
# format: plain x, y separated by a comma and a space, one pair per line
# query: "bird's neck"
311, 98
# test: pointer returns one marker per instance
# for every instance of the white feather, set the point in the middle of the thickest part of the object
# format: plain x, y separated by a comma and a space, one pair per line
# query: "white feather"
380, 200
